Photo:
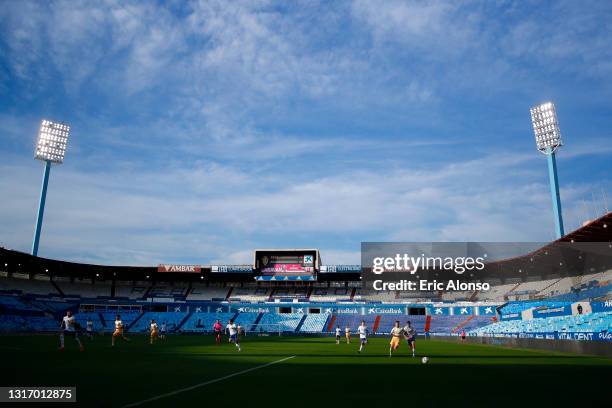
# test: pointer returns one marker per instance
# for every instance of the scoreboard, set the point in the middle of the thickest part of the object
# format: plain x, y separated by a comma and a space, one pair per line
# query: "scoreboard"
286, 262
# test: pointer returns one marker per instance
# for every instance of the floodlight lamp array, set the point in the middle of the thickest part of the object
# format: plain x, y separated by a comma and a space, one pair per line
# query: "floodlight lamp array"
546, 127
52, 141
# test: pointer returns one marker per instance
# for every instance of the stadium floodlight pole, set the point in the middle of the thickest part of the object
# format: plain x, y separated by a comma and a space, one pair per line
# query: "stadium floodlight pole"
50, 148
548, 140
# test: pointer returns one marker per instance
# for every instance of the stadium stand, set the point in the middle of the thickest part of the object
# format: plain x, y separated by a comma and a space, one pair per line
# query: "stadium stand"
250, 294
84, 289
246, 320
456, 296
314, 323
83, 317
519, 306
22, 323
594, 322
25, 285
417, 296
202, 292
127, 317
286, 322
322, 295
498, 292
200, 322
190, 303
444, 325
351, 321
288, 294
386, 322
329, 294
385, 296
167, 291
16, 303
173, 321
129, 290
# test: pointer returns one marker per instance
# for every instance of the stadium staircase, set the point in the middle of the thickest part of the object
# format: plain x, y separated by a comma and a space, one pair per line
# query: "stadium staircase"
44, 308
310, 289
146, 294
353, 293
102, 319
256, 322
474, 295
376, 324
460, 325
36, 309
330, 326
513, 289
552, 284
59, 290
327, 321
178, 327
136, 319
229, 293
301, 323
271, 297
189, 289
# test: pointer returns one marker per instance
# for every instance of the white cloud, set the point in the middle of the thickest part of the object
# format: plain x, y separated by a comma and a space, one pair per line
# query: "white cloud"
201, 133
215, 212
435, 28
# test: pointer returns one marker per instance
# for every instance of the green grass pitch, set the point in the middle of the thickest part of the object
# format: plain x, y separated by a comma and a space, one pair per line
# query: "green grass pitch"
321, 373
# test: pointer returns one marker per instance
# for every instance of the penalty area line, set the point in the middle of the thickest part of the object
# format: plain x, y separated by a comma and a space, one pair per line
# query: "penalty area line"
203, 384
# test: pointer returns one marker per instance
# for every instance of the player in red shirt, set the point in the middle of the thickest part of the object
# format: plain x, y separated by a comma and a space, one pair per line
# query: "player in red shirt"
217, 329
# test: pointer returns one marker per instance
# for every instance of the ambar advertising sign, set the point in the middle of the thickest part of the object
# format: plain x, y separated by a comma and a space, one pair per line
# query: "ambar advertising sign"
179, 268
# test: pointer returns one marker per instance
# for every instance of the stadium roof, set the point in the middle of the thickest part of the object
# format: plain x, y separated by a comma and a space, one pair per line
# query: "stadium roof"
599, 230
581, 251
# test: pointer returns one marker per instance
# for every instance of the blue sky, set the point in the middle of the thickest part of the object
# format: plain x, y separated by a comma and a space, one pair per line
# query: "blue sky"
203, 130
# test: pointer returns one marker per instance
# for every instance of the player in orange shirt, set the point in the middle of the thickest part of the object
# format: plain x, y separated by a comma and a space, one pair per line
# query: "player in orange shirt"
153, 331
396, 336
118, 330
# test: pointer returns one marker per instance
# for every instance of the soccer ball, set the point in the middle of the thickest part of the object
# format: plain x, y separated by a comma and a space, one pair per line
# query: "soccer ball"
424, 360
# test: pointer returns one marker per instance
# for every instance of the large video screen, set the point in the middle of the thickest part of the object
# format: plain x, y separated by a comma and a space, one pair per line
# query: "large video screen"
286, 263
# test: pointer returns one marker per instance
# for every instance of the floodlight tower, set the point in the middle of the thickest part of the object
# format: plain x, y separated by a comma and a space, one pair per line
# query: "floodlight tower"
50, 148
548, 140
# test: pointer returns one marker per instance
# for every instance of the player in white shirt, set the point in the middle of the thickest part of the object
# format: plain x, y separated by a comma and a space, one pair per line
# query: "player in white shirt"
162, 332
396, 335
118, 330
338, 334
347, 334
89, 329
363, 335
410, 336
153, 332
68, 326
232, 330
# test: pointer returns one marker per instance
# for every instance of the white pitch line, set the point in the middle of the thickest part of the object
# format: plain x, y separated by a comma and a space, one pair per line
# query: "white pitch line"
193, 387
